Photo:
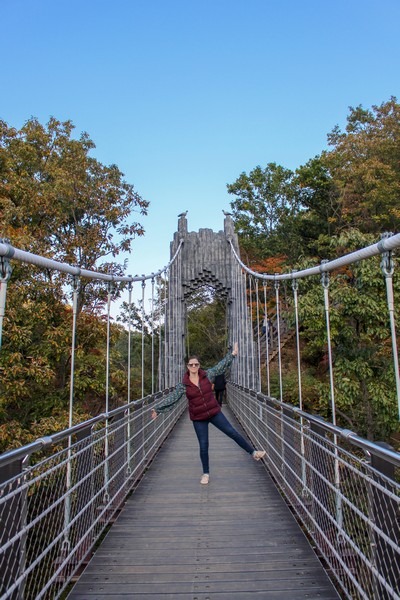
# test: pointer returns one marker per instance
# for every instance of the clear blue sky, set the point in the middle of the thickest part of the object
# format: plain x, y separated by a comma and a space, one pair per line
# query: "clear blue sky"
183, 96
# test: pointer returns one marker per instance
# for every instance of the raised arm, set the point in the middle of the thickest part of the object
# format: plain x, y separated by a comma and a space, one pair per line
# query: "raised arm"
223, 365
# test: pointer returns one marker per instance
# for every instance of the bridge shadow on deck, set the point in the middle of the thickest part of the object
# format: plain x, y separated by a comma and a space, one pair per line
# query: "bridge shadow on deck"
234, 539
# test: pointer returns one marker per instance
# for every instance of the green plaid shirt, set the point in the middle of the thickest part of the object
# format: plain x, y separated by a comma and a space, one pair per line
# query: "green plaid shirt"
180, 389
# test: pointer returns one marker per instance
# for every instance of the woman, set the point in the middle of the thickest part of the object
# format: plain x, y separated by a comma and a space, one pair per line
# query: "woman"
204, 408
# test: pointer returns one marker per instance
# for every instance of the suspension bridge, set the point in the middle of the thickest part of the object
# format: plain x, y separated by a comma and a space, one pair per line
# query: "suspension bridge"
112, 507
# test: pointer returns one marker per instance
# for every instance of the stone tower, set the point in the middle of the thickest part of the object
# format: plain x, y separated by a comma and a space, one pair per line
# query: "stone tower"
204, 257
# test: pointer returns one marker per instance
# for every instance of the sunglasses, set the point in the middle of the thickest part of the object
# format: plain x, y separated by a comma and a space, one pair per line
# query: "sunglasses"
193, 364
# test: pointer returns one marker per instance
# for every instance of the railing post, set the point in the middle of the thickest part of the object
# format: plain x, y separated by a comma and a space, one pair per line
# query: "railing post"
385, 516
13, 516
267, 423
85, 464
288, 452
321, 494
110, 289
67, 504
82, 459
117, 460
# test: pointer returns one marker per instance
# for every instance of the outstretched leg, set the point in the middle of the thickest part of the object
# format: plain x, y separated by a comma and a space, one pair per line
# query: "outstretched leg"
222, 423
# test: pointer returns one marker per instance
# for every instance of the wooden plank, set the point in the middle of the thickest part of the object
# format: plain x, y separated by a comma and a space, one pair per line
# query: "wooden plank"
165, 572
291, 586
233, 539
241, 595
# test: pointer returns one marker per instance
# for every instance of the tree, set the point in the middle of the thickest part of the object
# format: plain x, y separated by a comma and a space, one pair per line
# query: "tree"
365, 165
338, 201
319, 197
35, 352
265, 199
58, 201
356, 184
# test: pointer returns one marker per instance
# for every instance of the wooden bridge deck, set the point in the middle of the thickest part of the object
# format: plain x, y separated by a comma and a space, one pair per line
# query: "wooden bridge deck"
234, 539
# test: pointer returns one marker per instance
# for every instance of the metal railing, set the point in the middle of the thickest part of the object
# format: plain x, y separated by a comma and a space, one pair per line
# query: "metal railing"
342, 488
59, 494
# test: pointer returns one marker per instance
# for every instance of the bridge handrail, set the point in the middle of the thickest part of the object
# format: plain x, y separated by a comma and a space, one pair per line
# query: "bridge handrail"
386, 244
10, 252
346, 501
24, 451
61, 504
346, 434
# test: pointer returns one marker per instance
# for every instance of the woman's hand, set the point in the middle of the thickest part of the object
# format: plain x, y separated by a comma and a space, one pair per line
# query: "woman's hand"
153, 414
235, 349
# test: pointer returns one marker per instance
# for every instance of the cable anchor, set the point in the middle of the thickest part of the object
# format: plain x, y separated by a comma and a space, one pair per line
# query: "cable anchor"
5, 265
325, 278
387, 264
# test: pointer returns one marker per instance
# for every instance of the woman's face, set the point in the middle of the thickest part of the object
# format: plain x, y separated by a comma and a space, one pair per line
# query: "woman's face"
193, 365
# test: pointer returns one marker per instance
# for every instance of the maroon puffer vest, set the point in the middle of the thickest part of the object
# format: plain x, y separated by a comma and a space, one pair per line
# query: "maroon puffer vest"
202, 402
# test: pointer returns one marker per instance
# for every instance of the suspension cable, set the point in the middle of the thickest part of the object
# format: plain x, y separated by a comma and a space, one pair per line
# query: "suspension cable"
152, 335
160, 321
387, 266
295, 287
258, 337
278, 329
129, 339
267, 339
325, 285
143, 332
386, 244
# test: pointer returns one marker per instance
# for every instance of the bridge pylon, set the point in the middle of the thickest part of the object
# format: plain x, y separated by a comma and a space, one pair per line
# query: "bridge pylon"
205, 258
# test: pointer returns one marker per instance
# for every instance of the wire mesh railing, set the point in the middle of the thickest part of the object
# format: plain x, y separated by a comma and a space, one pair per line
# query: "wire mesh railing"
343, 489
59, 495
